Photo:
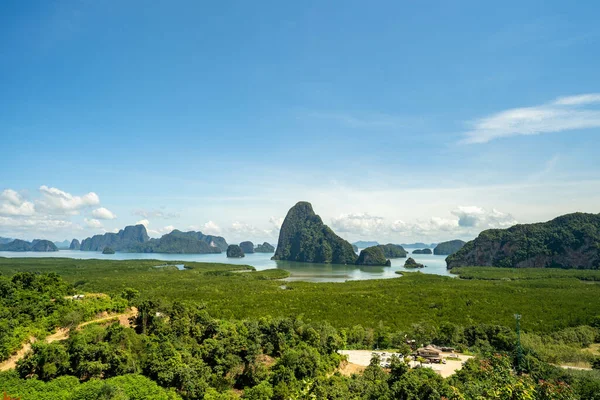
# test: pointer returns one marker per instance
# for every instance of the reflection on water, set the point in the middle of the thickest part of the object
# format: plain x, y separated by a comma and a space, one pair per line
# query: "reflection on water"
261, 261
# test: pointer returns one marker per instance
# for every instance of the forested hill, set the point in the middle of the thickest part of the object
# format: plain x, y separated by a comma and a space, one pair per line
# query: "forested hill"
569, 241
22, 245
304, 237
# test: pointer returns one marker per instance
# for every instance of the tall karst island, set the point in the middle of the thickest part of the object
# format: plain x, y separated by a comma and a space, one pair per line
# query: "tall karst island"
305, 238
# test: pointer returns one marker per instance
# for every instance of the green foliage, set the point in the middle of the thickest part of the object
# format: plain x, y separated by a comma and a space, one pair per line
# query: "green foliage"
304, 237
393, 250
108, 250
569, 241
372, 256
547, 304
35, 304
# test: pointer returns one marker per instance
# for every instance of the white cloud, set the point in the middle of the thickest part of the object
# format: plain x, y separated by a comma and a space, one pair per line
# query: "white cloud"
562, 114
103, 213
93, 223
144, 222
211, 228
57, 201
361, 223
276, 222
477, 217
12, 203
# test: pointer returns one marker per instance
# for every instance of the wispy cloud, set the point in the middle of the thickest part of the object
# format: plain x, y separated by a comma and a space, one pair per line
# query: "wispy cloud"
563, 114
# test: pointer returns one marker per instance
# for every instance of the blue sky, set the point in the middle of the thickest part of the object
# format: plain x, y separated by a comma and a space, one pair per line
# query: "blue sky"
398, 120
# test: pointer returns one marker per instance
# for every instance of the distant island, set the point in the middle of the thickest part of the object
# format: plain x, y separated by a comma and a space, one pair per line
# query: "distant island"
4, 240
411, 263
247, 247
373, 256
393, 250
235, 251
569, 241
304, 237
418, 245
108, 250
64, 245
35, 245
264, 248
422, 251
448, 248
135, 239
362, 244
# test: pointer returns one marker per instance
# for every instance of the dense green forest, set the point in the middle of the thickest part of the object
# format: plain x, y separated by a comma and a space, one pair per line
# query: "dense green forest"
178, 350
547, 303
219, 331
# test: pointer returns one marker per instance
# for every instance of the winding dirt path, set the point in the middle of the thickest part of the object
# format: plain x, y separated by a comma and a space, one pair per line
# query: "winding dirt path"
63, 333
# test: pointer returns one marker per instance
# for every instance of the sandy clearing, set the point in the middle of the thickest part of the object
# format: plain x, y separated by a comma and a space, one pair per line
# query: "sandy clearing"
363, 358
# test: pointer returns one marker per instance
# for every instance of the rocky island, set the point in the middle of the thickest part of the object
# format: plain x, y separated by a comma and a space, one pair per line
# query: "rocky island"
569, 241
422, 251
235, 251
135, 239
392, 250
373, 256
264, 248
304, 237
247, 247
411, 263
108, 250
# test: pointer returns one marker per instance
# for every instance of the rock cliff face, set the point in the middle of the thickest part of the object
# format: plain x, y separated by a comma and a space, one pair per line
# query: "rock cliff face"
264, 248
247, 247
234, 251
569, 241
447, 248
393, 250
422, 251
75, 245
304, 237
22, 245
373, 256
123, 240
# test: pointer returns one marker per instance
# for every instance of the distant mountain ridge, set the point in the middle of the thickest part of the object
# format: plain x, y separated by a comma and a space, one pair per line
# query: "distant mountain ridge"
418, 245
135, 239
35, 245
568, 241
4, 240
63, 245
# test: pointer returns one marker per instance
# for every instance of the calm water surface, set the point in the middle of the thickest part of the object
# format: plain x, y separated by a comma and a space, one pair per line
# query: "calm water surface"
261, 261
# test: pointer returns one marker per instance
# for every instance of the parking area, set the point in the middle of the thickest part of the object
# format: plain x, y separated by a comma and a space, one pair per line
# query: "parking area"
363, 358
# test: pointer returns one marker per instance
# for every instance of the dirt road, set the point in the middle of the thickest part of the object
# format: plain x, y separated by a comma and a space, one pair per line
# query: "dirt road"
62, 334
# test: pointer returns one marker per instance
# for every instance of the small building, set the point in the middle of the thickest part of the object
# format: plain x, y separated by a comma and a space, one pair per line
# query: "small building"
78, 297
428, 352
